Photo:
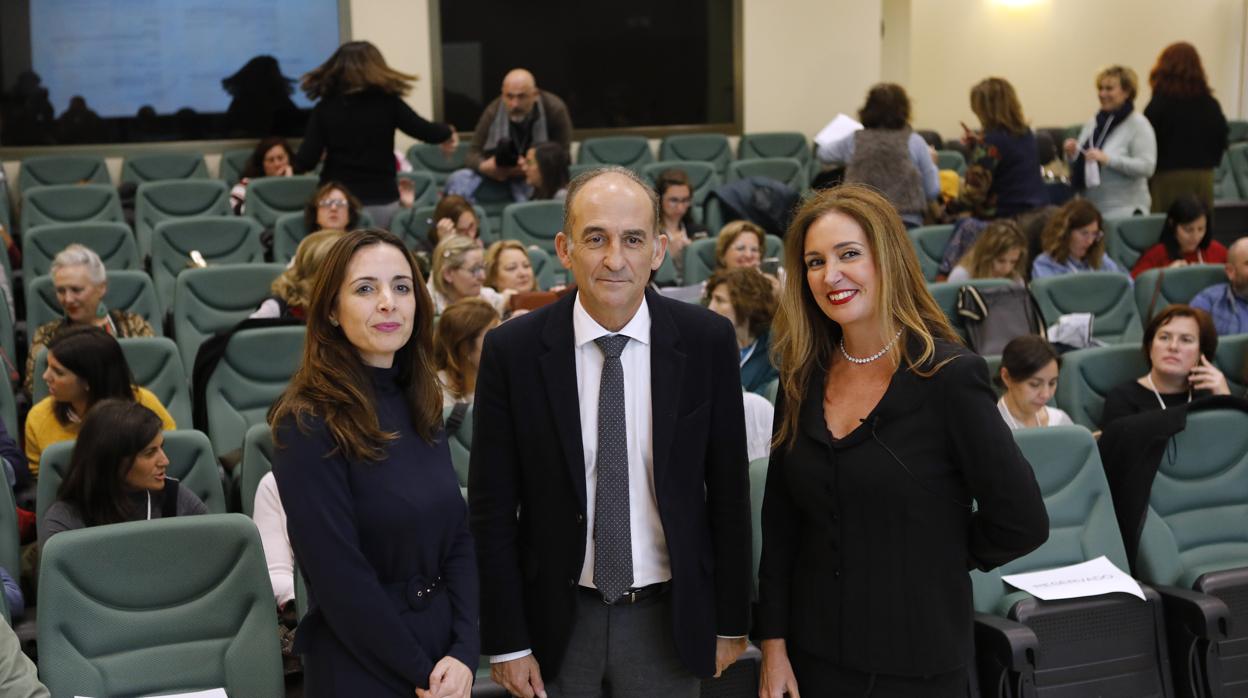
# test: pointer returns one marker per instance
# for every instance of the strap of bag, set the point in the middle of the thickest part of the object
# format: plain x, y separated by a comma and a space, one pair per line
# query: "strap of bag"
971, 305
1152, 301
456, 418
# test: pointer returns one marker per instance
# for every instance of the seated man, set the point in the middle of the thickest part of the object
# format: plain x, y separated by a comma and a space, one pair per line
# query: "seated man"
1228, 302
520, 118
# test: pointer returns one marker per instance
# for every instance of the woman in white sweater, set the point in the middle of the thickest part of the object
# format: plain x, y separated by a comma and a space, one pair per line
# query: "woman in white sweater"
1116, 151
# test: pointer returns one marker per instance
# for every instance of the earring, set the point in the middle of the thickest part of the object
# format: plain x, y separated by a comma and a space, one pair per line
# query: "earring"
333, 322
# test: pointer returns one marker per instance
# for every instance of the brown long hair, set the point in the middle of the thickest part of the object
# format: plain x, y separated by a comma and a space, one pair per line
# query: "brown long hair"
1075, 213
998, 238
1179, 73
356, 66
803, 337
334, 384
996, 104
458, 328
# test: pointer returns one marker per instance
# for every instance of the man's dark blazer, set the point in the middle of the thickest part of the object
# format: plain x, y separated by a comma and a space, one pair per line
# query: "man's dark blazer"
526, 483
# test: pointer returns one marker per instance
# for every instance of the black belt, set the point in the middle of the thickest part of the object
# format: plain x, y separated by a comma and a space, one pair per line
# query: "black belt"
416, 593
631, 596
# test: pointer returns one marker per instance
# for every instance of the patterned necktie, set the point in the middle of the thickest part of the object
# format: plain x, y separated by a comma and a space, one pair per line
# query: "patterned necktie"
613, 539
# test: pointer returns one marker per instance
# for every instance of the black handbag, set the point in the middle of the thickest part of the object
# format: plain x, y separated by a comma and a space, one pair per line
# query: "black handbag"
994, 316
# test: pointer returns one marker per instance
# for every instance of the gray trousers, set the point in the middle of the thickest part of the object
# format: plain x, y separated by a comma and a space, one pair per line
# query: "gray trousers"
622, 651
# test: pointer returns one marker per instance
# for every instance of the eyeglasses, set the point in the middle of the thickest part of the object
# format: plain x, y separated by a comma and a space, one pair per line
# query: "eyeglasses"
678, 201
333, 204
475, 270
1093, 234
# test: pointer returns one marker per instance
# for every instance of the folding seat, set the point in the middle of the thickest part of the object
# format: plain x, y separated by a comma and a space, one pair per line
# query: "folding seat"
1231, 359
460, 442
777, 144
70, 203
8, 408
534, 223
158, 607
632, 152
233, 162
1107, 295
426, 187
929, 244
576, 169
1225, 188
256, 463
253, 372
155, 167
946, 296
290, 230
1194, 550
10, 544
176, 200
1126, 239
493, 197
545, 267
411, 225
219, 239
1088, 375
429, 158
711, 148
1237, 131
771, 389
700, 260
207, 301
1100, 645
47, 170
702, 176
270, 197
951, 160
1178, 285
113, 242
127, 290
1237, 156
994, 370
787, 170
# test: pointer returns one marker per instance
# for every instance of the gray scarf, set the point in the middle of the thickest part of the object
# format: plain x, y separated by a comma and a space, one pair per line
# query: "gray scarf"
500, 129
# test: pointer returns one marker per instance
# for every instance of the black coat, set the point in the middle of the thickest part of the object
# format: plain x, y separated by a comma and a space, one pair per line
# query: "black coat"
867, 540
526, 483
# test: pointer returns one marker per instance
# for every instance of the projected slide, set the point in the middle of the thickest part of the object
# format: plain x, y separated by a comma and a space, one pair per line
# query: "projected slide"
171, 54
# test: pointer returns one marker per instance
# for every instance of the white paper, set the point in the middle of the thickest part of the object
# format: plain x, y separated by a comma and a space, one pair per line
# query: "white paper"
1091, 174
211, 693
836, 129
1073, 329
1092, 578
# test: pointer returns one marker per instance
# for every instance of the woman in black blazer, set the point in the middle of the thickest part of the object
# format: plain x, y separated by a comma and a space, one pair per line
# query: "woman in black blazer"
892, 473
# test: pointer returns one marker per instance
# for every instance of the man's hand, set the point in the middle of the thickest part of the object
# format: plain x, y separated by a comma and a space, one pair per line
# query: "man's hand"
727, 649
777, 678
489, 168
521, 677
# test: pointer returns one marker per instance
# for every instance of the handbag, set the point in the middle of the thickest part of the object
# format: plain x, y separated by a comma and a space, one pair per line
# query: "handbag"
994, 316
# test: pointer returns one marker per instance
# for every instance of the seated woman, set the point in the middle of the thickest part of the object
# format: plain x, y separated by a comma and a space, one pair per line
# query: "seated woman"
457, 344
546, 170
1073, 241
999, 253
1179, 345
457, 272
1029, 366
271, 158
85, 366
332, 207
454, 215
740, 244
81, 282
292, 289
676, 201
746, 297
117, 473
507, 267
1185, 239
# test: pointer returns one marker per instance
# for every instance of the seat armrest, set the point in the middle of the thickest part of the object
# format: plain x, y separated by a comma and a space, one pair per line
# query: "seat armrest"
1201, 614
1009, 642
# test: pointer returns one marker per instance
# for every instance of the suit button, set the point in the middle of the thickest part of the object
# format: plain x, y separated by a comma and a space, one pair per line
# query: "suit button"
580, 519
837, 574
571, 581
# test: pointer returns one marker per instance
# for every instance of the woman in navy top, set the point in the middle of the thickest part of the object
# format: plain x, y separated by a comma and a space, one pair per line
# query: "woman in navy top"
373, 508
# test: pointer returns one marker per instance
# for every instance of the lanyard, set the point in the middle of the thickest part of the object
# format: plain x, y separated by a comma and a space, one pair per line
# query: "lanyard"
149, 505
748, 352
1161, 402
1104, 134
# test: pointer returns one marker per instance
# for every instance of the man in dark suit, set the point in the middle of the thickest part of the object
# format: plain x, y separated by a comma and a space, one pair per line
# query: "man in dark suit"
609, 488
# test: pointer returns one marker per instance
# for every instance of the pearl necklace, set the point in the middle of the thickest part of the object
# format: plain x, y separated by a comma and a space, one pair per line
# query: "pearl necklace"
873, 357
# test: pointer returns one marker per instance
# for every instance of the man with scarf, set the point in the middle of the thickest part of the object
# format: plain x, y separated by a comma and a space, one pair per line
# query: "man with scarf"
1116, 151
520, 118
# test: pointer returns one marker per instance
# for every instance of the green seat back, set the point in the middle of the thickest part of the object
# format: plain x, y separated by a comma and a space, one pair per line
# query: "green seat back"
711, 148
1088, 375
951, 160
411, 225
461, 444
946, 296
702, 175
8, 409
1237, 154
1107, 295
770, 390
257, 462
233, 162
426, 187
1127, 239
290, 230
113, 242
534, 223
47, 170
929, 243
270, 197
207, 301
787, 170
10, 545
1225, 188
758, 486
578, 168
1237, 131
155, 607
700, 260
778, 144
253, 372
127, 290
154, 167
665, 275
220, 239
1178, 285
1082, 525
994, 371
156, 366
627, 151
70, 203
1198, 506
545, 267
1231, 359
430, 158
176, 200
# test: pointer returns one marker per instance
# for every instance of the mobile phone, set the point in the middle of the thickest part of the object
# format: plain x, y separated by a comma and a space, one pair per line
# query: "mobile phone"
770, 266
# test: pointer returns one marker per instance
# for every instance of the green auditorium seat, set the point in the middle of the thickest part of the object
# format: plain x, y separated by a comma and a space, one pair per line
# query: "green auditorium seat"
1225, 188
712, 148
176, 200
8, 406
1237, 131
632, 152
1103, 645
778, 144
154, 167
929, 243
158, 607
156, 366
70, 203
951, 160
1107, 295
113, 242
207, 301
220, 239
290, 230
1237, 155
253, 372
771, 390
946, 296
1194, 549
127, 290
426, 187
10, 545
233, 162
256, 463
758, 486
787, 170
460, 442
270, 197
430, 158
47, 170
1088, 375
994, 371
1231, 359
1126, 239
411, 225
1178, 285
545, 267
700, 257
576, 169
534, 223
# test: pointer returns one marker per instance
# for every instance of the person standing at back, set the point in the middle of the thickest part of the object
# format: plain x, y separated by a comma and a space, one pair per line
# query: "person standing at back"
1189, 126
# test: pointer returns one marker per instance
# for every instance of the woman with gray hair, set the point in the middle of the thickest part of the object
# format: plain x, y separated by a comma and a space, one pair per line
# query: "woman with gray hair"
81, 280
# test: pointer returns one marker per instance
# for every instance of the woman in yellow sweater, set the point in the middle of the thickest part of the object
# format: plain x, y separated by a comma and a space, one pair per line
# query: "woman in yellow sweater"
85, 365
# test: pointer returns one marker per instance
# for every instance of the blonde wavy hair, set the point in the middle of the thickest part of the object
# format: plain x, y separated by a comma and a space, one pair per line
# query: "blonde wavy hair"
295, 284
803, 338
448, 256
494, 261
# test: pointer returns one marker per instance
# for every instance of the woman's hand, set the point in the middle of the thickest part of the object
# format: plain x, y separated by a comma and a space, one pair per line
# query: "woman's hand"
777, 677
407, 193
449, 145
1071, 146
450, 678
1178, 263
1096, 155
446, 228
287, 171
1206, 376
